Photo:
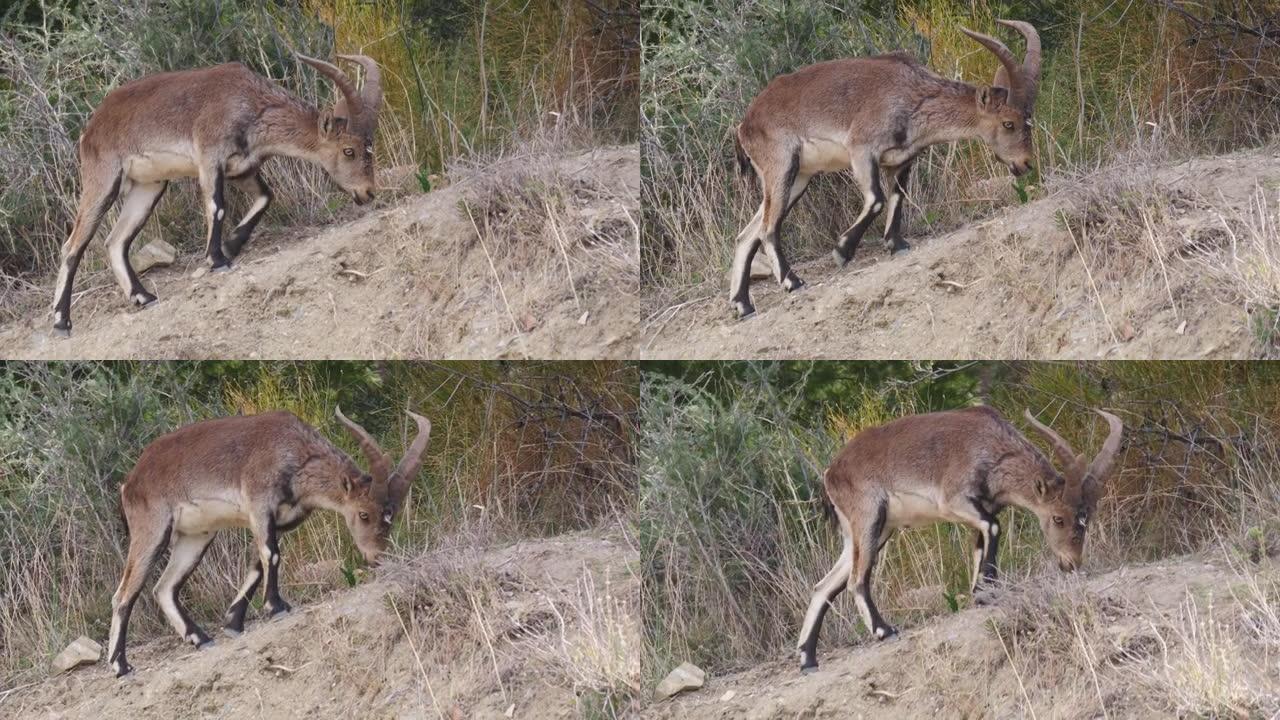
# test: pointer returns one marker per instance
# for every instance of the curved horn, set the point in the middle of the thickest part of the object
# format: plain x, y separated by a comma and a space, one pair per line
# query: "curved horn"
350, 100
407, 470
371, 93
1100, 469
379, 463
1010, 63
1066, 456
1030, 63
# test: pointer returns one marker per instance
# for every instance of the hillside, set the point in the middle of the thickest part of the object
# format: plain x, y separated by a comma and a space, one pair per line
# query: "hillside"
1186, 637
531, 257
528, 630
1175, 260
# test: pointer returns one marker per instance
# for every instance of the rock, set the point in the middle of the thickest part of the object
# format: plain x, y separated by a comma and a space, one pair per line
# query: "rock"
156, 253
686, 677
200, 272
729, 695
81, 652
1127, 332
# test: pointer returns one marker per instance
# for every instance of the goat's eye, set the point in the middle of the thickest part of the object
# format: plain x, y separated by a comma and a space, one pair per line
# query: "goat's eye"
1057, 520
348, 152
1008, 126
364, 516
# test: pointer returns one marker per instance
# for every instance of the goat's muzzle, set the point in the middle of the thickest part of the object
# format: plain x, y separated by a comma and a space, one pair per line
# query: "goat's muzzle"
1020, 169
362, 197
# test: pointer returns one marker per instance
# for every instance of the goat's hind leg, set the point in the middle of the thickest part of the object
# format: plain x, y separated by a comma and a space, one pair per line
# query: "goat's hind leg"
823, 594
137, 202
866, 173
212, 183
100, 184
146, 538
868, 550
771, 242
185, 552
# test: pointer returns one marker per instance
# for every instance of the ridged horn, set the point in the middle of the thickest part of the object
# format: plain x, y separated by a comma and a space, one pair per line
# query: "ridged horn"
407, 470
1067, 457
379, 463
371, 92
350, 105
1030, 62
1095, 477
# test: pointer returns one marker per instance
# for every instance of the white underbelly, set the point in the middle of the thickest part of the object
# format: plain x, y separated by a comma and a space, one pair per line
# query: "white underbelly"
205, 516
913, 509
821, 155
159, 165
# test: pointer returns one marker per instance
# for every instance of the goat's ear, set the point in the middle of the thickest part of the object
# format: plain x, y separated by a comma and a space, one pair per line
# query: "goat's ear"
331, 125
346, 485
991, 98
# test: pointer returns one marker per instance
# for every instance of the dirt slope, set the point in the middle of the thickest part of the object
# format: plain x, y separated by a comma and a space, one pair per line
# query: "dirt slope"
409, 280
1165, 640
408, 644
1019, 284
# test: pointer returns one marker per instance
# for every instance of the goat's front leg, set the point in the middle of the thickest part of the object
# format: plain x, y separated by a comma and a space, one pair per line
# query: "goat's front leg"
252, 185
212, 182
893, 241
268, 541
866, 173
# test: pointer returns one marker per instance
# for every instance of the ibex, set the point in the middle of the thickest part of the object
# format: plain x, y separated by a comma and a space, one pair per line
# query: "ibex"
215, 124
961, 466
266, 472
870, 115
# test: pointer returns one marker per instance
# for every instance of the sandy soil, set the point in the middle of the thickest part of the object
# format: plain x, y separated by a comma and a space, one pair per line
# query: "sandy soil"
1015, 658
1018, 285
414, 279
402, 645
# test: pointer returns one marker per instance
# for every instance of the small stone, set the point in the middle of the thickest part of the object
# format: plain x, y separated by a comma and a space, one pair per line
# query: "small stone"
200, 272
81, 652
511, 710
686, 677
583, 320
1127, 332
1182, 328
729, 695
156, 253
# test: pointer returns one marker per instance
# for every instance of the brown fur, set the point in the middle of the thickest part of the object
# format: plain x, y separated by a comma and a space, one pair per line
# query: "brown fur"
959, 466
871, 115
216, 124
267, 472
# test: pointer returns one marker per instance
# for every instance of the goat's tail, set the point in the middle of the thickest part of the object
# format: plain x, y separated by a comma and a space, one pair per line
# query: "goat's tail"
744, 163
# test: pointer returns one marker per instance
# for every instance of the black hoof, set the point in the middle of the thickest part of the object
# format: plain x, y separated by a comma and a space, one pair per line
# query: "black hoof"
792, 283
840, 258
62, 330
224, 266
809, 669
743, 309
884, 632
121, 667
208, 643
274, 610
900, 246
142, 298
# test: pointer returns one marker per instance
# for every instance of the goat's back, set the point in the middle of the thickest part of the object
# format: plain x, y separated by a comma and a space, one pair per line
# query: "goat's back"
838, 94
217, 453
147, 113
920, 450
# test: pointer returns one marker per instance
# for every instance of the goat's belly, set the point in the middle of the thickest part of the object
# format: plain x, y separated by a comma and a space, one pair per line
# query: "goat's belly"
818, 156
158, 166
205, 516
913, 510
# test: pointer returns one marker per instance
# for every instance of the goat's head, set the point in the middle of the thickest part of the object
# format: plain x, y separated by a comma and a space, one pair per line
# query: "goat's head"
1005, 107
372, 501
346, 130
1066, 500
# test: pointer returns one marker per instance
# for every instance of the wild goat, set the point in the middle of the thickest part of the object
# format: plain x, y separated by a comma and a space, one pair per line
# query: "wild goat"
870, 114
266, 472
215, 124
960, 466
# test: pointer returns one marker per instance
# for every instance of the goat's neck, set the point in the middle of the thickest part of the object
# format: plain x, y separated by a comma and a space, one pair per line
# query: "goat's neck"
950, 115
318, 485
289, 129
